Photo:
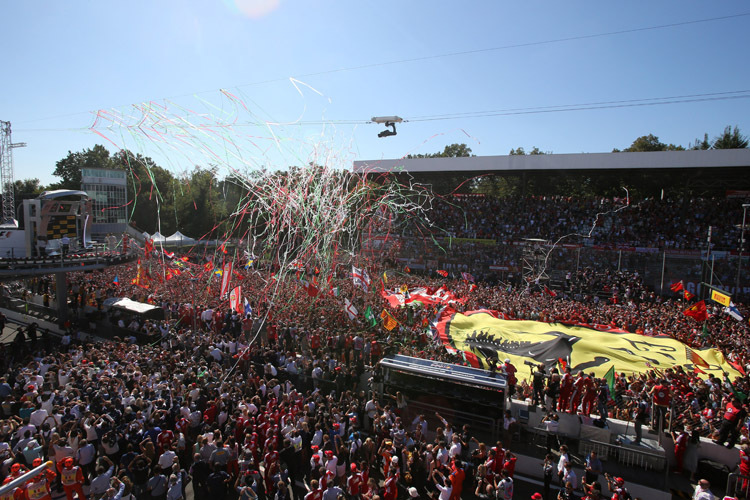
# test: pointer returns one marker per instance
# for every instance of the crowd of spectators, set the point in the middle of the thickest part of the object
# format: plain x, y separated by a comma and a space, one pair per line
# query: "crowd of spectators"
274, 401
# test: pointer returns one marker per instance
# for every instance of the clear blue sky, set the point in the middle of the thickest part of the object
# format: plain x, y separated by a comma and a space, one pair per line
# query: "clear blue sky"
66, 59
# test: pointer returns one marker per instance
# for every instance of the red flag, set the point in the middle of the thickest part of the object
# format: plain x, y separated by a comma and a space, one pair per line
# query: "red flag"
442, 273
407, 270
563, 364
149, 246
676, 287
472, 287
688, 295
472, 359
235, 299
697, 370
549, 292
698, 311
695, 358
737, 366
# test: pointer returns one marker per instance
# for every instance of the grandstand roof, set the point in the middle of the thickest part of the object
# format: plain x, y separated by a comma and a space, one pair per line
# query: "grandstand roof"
716, 158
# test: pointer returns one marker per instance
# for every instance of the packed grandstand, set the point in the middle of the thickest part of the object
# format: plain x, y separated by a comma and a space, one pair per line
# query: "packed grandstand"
268, 396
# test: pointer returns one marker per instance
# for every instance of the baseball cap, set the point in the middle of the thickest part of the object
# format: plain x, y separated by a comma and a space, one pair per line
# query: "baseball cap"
536, 496
414, 493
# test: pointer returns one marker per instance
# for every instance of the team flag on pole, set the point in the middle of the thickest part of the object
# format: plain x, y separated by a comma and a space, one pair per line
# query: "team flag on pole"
248, 308
235, 299
370, 317
116, 281
360, 277
225, 278
442, 273
609, 377
676, 287
698, 311
389, 322
733, 312
695, 358
467, 277
351, 311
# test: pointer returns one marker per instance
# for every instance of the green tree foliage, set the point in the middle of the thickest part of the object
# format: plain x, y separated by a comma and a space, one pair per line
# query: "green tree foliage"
519, 151
27, 188
730, 139
452, 151
69, 168
647, 143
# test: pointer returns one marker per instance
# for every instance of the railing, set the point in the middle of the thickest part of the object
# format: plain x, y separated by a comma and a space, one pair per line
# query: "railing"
738, 483
629, 457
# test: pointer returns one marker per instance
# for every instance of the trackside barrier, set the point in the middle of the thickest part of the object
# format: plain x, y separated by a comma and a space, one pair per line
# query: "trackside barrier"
477, 422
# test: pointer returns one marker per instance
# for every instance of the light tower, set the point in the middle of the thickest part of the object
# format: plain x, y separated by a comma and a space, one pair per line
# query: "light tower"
6, 173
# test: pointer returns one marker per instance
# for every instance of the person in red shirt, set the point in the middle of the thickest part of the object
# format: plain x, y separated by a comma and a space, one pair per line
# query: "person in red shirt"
390, 486
457, 477
745, 468
510, 464
566, 389
734, 412
354, 483
38, 488
680, 446
315, 492
589, 394
72, 479
662, 398
510, 373
577, 393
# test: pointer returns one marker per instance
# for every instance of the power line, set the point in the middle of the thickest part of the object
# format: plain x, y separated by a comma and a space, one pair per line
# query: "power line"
444, 55
597, 105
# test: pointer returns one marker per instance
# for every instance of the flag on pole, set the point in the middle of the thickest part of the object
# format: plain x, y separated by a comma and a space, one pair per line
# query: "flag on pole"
389, 322
235, 299
351, 311
733, 311
609, 377
248, 308
385, 277
226, 278
549, 292
695, 358
467, 277
370, 317
676, 287
698, 311
360, 277
407, 270
442, 273
688, 295
116, 281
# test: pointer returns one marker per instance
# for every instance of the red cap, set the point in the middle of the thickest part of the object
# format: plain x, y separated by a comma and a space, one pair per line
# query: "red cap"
620, 481
68, 462
536, 496
329, 453
316, 458
15, 468
354, 467
37, 462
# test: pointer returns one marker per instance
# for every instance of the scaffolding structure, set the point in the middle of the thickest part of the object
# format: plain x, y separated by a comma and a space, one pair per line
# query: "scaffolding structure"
7, 178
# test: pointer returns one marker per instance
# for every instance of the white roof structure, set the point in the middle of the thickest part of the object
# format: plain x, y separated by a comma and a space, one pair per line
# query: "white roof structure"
158, 237
180, 239
712, 158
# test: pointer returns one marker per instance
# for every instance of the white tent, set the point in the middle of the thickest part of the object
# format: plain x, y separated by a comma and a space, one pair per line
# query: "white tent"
157, 237
179, 239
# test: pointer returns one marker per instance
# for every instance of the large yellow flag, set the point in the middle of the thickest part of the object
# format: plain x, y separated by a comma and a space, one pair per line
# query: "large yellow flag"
593, 349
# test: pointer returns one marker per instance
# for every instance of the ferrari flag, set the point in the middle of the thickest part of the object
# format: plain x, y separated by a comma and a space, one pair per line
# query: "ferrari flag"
589, 348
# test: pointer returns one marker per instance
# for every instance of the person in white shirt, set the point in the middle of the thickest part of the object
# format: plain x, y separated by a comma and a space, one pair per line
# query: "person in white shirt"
446, 489
455, 450
703, 491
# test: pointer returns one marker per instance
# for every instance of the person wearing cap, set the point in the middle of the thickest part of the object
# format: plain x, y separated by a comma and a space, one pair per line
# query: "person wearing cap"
72, 479
355, 483
536, 496
38, 488
617, 487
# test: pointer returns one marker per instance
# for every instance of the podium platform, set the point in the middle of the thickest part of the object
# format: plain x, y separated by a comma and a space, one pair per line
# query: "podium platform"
648, 454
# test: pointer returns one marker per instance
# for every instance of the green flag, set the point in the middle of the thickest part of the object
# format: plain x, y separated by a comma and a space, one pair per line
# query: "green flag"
610, 378
704, 334
370, 317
